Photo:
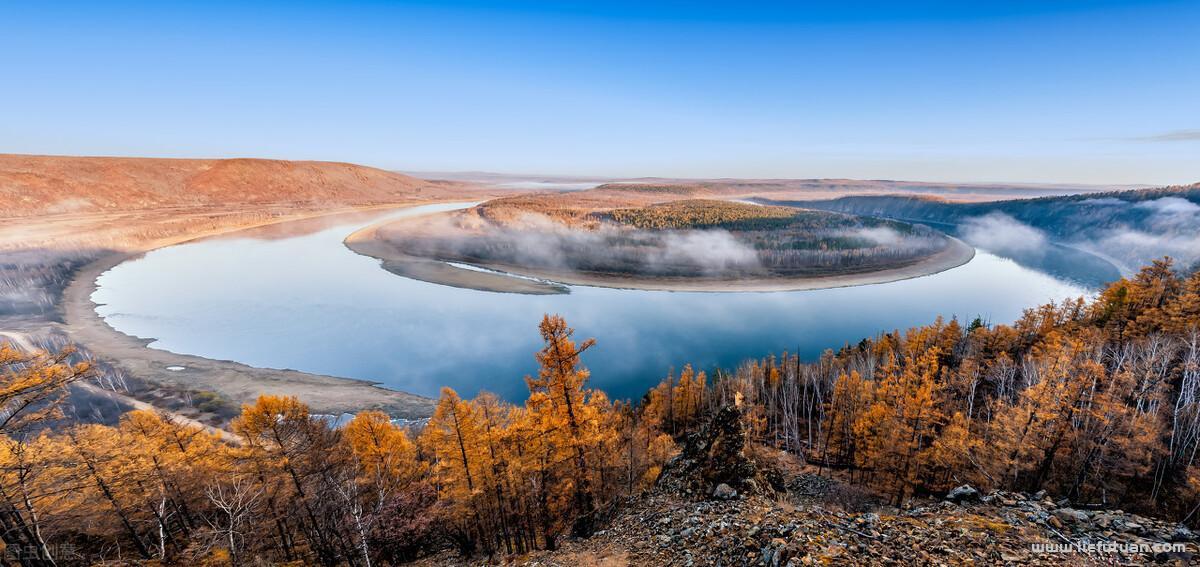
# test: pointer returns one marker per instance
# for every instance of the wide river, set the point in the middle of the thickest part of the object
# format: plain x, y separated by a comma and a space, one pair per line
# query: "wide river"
301, 300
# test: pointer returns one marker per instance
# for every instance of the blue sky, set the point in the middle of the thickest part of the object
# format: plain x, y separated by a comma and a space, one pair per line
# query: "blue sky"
1084, 91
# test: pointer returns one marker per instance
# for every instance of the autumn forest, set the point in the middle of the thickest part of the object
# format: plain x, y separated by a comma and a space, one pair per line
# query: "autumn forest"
1095, 400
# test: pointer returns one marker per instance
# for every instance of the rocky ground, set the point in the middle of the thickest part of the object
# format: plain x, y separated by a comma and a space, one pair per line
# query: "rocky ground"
997, 529
720, 504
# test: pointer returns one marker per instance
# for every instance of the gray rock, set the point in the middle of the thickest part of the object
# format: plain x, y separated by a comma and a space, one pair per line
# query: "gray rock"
1182, 533
724, 492
962, 494
1071, 515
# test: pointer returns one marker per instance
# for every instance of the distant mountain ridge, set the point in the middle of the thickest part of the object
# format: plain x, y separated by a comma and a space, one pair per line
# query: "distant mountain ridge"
815, 188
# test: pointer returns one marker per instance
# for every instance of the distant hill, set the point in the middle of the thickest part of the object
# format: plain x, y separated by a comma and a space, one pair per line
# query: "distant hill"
38, 185
827, 188
1129, 227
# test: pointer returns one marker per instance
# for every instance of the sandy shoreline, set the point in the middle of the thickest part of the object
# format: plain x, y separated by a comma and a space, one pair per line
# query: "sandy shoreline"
369, 242
233, 381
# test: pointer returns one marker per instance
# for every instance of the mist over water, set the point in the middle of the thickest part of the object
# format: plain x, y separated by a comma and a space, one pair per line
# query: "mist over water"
1001, 233
538, 242
306, 302
1129, 234
1172, 228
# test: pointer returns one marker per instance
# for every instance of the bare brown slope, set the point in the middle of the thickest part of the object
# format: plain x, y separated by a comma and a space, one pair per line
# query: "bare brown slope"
36, 185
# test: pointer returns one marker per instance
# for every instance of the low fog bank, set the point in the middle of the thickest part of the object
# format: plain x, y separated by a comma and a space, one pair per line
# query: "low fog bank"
1171, 227
1001, 233
1128, 233
535, 241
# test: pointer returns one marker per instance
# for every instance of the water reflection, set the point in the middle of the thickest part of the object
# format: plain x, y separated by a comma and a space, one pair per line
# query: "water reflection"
1067, 263
303, 301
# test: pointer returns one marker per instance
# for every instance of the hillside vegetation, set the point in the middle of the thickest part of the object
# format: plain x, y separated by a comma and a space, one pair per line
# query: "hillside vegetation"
704, 213
1094, 402
577, 208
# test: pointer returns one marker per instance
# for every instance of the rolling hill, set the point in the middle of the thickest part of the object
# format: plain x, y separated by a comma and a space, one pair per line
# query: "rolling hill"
38, 185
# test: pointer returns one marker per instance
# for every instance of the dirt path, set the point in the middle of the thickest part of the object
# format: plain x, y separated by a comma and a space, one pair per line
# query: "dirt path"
23, 343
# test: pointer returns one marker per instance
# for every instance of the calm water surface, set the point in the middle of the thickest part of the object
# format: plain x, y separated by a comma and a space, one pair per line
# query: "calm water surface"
306, 302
